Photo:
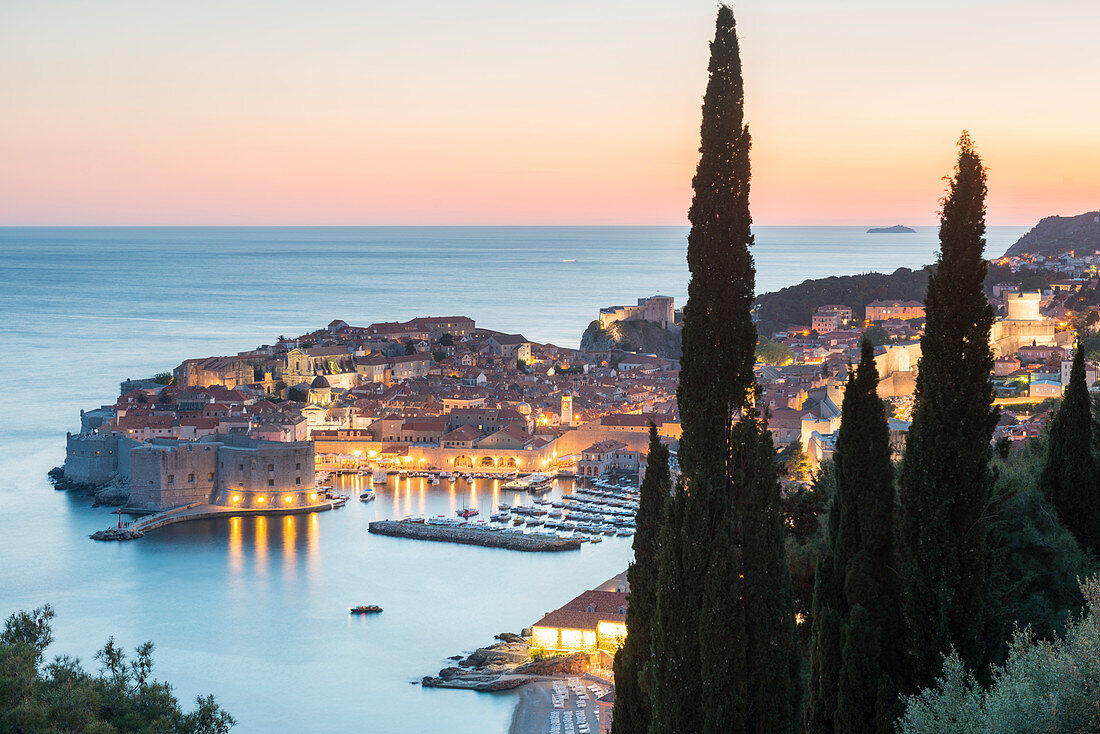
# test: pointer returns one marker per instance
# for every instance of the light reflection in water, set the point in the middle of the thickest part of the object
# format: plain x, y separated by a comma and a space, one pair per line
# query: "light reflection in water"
236, 550
290, 565
261, 546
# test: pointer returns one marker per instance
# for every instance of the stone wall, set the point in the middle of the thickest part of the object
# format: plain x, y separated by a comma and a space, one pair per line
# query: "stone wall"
93, 459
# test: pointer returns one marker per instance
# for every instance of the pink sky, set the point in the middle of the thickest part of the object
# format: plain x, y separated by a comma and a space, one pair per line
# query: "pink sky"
495, 112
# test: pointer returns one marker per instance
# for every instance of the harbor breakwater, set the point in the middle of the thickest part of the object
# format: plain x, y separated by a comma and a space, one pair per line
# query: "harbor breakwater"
473, 536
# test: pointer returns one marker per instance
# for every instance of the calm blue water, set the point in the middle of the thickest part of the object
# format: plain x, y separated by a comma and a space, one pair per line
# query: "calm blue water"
254, 610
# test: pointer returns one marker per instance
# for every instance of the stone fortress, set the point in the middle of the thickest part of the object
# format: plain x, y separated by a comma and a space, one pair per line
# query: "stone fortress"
655, 308
228, 470
225, 469
1023, 326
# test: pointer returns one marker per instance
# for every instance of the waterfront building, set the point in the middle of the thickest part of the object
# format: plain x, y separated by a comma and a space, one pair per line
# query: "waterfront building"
608, 457
231, 471
594, 620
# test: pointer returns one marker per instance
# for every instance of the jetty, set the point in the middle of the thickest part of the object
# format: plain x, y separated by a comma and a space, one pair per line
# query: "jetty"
201, 511
474, 536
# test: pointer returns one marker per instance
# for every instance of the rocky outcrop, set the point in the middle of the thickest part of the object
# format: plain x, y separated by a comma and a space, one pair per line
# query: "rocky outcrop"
491, 668
557, 665
643, 337
484, 683
116, 534
115, 491
502, 653
1055, 235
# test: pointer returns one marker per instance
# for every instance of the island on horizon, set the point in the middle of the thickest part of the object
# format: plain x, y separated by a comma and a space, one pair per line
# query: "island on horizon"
896, 229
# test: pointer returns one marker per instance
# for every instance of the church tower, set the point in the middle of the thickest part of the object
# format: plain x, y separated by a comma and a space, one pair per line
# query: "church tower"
567, 410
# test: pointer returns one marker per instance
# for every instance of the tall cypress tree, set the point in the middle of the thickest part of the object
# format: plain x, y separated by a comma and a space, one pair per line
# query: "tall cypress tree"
1069, 478
725, 656
632, 707
945, 480
855, 652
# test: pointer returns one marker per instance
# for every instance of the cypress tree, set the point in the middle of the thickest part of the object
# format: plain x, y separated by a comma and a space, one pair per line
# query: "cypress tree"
632, 707
1069, 478
945, 480
855, 651
725, 655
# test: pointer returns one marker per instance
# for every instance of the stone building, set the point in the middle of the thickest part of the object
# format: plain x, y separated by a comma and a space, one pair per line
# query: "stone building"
1023, 325
655, 308
337, 364
894, 310
229, 470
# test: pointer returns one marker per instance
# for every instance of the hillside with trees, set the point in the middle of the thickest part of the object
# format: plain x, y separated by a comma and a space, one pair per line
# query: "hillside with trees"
1055, 235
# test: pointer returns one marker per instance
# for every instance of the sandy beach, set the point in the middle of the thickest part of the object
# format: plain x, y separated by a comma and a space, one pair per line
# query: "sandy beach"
534, 704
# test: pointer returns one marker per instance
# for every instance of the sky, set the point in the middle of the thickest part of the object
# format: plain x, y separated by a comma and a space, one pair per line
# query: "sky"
365, 112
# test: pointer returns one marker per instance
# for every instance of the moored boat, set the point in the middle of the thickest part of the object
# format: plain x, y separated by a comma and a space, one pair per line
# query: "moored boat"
366, 609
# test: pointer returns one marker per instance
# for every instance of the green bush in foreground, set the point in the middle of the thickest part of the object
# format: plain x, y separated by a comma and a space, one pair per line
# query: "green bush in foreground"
61, 696
1043, 686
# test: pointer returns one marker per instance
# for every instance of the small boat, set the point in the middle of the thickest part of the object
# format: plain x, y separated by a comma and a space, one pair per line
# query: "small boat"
467, 512
504, 506
433, 479
367, 496
366, 609
595, 539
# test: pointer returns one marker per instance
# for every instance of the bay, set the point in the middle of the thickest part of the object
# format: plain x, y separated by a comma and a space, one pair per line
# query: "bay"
254, 610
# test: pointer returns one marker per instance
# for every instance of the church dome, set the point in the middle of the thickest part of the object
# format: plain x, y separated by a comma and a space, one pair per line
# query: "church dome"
318, 382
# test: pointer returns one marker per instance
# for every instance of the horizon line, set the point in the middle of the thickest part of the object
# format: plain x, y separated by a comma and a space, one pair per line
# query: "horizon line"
868, 223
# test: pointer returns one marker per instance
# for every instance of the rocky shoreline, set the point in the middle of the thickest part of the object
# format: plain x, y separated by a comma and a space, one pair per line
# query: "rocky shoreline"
115, 492
504, 665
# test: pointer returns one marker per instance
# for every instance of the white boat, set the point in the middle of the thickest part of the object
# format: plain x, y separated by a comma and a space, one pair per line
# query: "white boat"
366, 496
433, 479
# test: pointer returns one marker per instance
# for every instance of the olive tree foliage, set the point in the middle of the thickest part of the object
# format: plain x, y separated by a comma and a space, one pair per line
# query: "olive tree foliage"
61, 696
1043, 686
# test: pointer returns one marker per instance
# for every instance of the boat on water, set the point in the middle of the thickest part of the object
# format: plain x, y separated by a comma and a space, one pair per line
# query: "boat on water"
366, 609
504, 506
467, 512
433, 479
367, 496
595, 539
500, 517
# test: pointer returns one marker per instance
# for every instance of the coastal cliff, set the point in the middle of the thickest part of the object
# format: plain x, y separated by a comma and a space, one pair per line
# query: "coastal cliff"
644, 337
1055, 235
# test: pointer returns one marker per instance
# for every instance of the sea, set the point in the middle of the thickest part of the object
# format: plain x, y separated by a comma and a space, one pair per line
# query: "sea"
255, 610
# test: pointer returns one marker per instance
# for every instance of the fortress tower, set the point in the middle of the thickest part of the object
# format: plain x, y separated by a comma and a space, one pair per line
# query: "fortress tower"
567, 410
